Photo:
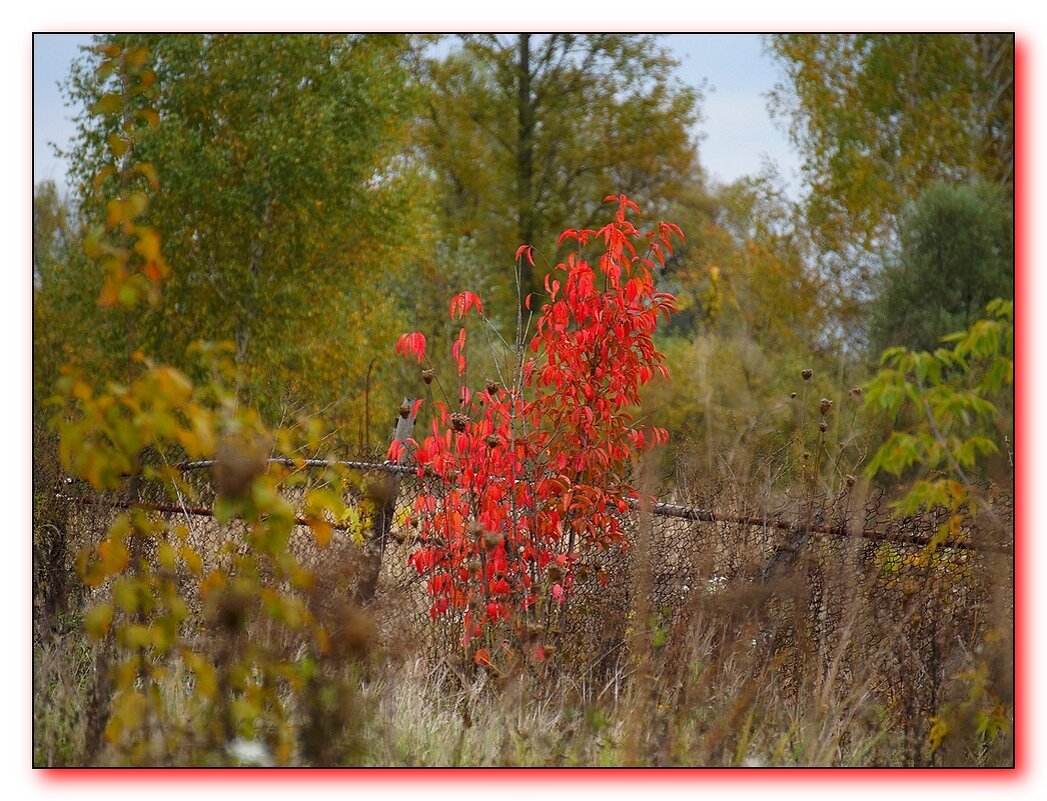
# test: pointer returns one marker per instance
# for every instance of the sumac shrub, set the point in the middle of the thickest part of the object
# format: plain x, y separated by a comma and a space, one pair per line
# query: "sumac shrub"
533, 474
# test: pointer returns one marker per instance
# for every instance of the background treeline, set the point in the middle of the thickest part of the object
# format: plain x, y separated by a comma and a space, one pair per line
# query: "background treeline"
320, 194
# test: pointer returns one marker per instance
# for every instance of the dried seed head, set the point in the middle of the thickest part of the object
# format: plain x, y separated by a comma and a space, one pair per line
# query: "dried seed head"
792, 395
807, 374
459, 421
554, 571
492, 440
806, 455
427, 376
476, 531
823, 426
850, 480
473, 565
492, 539
856, 392
825, 405
492, 388
405, 410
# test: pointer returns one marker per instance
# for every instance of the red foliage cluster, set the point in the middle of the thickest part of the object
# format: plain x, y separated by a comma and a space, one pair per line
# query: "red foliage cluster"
534, 475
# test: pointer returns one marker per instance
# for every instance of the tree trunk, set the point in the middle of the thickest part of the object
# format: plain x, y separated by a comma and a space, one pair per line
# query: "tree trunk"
524, 158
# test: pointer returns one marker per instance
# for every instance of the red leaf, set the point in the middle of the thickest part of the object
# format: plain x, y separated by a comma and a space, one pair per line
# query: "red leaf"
462, 302
456, 351
412, 344
527, 252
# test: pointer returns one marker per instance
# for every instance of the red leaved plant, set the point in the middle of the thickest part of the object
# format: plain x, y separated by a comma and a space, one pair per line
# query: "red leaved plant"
533, 475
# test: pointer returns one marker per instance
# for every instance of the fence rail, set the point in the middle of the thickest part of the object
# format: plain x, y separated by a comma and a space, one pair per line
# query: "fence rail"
659, 508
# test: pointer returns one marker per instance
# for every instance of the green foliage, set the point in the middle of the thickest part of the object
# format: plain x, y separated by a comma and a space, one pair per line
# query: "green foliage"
877, 118
956, 254
54, 242
51, 230
287, 207
517, 156
943, 401
146, 571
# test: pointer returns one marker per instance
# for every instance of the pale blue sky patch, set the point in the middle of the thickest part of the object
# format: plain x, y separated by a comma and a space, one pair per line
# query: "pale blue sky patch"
739, 134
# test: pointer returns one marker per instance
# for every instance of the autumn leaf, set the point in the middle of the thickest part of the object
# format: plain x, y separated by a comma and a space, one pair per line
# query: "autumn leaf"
462, 302
412, 344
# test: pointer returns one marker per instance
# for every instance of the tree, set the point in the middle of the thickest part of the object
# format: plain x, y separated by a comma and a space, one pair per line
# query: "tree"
524, 131
956, 254
752, 316
54, 241
51, 229
877, 118
284, 206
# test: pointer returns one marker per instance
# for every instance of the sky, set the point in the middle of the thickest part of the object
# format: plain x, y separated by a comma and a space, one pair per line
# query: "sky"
737, 134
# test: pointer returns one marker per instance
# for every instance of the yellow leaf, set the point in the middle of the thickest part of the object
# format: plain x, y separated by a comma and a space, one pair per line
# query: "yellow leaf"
321, 531
107, 104
127, 294
192, 559
137, 636
148, 243
137, 57
114, 556
99, 179
150, 116
166, 556
118, 145
98, 620
123, 209
126, 596
107, 50
206, 680
147, 170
